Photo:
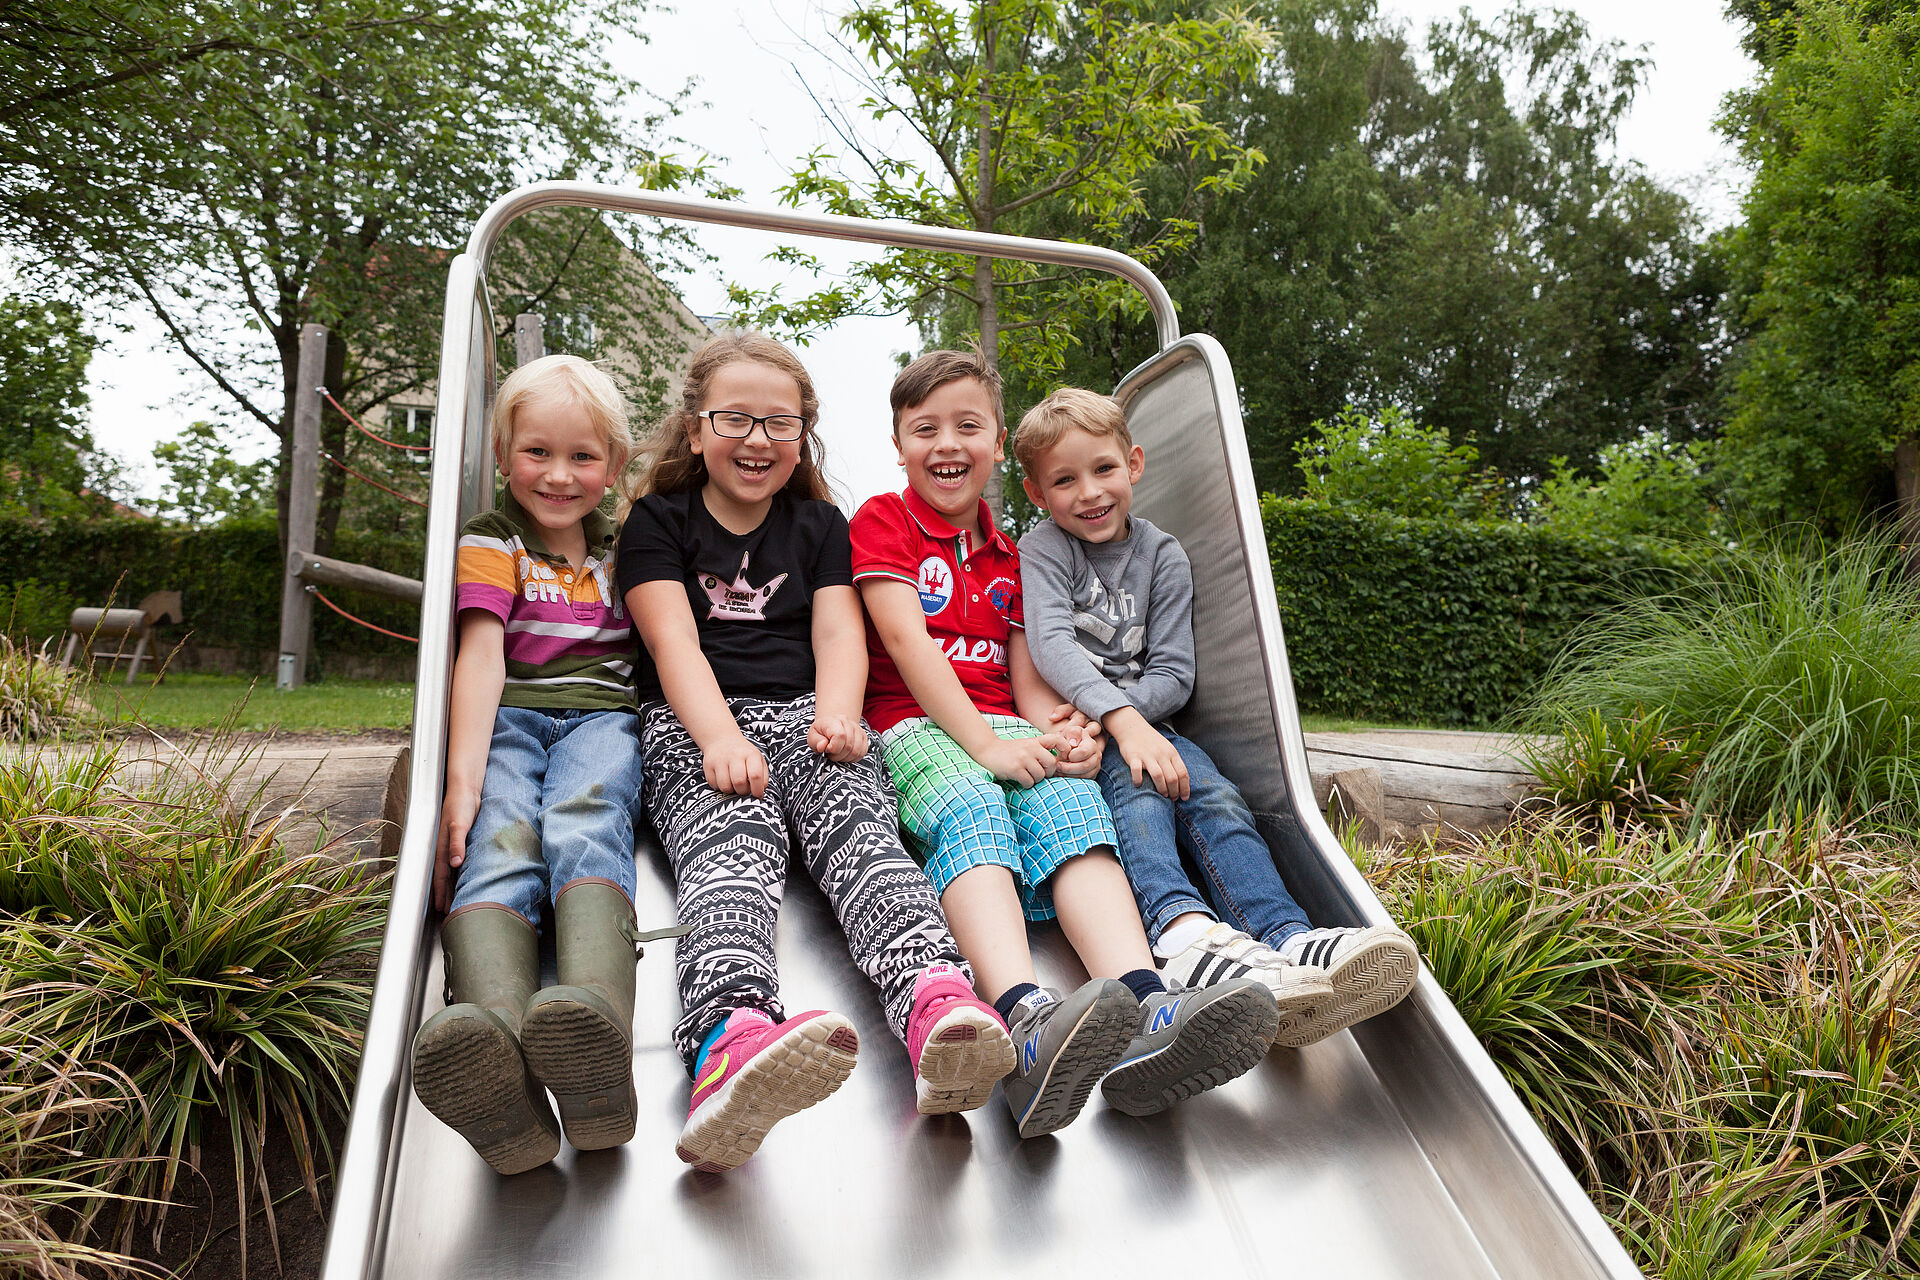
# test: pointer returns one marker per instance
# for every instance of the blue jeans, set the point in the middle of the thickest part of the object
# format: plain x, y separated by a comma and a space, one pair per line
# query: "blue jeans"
559, 802
1214, 828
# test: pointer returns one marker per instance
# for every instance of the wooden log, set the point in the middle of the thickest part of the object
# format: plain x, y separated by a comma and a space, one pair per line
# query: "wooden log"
303, 507
309, 566
529, 337
1422, 788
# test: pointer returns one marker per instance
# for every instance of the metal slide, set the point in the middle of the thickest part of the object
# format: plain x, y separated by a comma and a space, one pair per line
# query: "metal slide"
1392, 1151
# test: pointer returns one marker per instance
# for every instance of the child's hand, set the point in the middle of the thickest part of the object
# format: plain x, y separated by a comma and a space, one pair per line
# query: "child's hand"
450, 850
735, 767
1021, 760
1068, 716
837, 737
1150, 755
1081, 759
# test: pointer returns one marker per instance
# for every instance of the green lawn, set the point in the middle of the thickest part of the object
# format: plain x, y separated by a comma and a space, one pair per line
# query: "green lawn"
206, 701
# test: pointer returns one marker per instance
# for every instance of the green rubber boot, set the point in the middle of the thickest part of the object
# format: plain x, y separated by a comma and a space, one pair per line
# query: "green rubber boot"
579, 1034
467, 1063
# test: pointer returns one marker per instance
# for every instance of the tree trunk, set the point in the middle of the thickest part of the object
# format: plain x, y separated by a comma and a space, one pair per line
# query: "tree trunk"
1906, 484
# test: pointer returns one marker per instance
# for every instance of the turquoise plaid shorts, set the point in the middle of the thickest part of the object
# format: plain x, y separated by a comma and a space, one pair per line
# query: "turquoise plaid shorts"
958, 816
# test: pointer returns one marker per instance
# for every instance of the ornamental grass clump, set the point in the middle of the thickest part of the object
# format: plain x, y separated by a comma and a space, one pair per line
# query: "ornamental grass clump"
162, 927
1798, 667
38, 698
1632, 767
1716, 1028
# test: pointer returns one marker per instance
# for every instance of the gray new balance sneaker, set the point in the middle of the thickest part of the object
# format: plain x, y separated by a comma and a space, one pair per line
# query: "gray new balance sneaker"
1190, 1041
1065, 1045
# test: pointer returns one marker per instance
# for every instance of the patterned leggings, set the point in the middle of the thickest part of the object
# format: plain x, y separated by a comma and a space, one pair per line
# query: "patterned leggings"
729, 856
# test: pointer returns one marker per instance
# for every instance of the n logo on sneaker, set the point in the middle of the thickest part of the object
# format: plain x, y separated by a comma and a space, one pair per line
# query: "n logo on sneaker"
1029, 1053
1163, 1017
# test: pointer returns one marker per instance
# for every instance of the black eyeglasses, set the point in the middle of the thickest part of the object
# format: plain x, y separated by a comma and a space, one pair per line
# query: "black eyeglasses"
781, 428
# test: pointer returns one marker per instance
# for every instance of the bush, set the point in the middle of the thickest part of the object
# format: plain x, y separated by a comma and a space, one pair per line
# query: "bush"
1647, 488
162, 927
1799, 667
1628, 767
1715, 1030
1431, 620
37, 697
1390, 464
229, 576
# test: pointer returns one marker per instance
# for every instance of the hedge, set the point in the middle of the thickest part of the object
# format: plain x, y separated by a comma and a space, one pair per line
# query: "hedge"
1432, 620
228, 575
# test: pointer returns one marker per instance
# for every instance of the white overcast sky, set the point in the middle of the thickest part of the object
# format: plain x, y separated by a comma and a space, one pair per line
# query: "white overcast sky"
749, 57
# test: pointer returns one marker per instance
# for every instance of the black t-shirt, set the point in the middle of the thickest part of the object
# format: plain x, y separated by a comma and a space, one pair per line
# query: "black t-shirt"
751, 594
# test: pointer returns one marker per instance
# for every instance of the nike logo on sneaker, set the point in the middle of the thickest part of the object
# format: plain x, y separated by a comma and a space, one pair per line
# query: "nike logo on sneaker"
718, 1071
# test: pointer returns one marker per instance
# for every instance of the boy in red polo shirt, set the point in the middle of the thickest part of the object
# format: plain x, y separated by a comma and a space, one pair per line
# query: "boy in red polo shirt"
1006, 817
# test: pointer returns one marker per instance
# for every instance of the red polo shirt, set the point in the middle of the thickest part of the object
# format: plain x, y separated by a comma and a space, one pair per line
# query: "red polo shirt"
969, 594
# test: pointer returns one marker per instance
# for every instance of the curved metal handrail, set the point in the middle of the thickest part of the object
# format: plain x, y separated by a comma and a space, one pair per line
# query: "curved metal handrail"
900, 235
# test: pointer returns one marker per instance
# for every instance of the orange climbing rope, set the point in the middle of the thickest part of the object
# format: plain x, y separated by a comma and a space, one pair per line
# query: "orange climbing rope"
366, 479
321, 597
391, 444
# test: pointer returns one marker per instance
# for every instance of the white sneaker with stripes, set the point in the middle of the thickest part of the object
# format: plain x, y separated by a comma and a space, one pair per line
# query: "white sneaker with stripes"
1370, 970
1224, 954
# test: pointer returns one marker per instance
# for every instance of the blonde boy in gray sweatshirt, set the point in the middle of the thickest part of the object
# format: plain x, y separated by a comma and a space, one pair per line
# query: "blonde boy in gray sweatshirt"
1109, 602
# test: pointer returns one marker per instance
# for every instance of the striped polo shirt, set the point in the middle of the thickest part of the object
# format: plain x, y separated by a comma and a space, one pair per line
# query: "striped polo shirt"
569, 643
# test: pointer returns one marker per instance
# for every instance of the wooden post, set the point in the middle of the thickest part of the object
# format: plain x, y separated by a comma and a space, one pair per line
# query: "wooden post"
529, 338
303, 508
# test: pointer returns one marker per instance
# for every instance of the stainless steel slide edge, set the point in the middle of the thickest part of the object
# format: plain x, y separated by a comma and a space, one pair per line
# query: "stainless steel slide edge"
1522, 1203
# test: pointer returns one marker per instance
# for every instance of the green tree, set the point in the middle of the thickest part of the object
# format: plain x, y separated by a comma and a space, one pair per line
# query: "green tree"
205, 484
48, 462
1824, 420
1440, 225
1017, 107
240, 169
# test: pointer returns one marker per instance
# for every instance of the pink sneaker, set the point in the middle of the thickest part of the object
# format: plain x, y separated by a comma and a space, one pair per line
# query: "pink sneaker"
757, 1074
959, 1046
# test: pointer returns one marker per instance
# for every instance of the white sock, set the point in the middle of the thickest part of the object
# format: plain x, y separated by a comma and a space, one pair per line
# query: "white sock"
1179, 936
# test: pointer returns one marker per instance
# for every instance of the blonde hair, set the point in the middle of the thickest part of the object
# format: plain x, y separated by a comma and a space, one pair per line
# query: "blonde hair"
565, 378
673, 467
914, 385
1068, 409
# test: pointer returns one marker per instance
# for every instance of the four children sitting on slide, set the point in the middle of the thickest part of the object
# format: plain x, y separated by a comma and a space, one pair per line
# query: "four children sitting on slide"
740, 714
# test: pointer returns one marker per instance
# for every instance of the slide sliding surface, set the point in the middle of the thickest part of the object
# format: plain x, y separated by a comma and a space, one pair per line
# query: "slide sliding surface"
1393, 1152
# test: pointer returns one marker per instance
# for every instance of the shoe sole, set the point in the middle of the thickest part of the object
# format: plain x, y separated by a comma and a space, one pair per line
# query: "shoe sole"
1217, 1041
802, 1067
1302, 1014
1096, 1042
1372, 980
468, 1072
585, 1060
967, 1054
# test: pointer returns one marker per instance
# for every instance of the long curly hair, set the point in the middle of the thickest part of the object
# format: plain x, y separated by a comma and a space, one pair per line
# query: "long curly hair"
671, 465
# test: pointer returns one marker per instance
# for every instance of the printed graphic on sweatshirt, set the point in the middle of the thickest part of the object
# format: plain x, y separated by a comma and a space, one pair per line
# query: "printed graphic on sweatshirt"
1105, 614
739, 600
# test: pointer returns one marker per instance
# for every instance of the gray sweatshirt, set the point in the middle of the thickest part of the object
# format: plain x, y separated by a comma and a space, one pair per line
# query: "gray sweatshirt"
1110, 623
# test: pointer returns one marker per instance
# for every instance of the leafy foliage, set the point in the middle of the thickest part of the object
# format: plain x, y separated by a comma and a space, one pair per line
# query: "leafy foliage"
37, 698
156, 923
1441, 225
204, 483
1021, 106
1716, 1030
1827, 388
1390, 463
1630, 766
229, 575
1647, 487
48, 463
240, 170
1798, 666
1434, 621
